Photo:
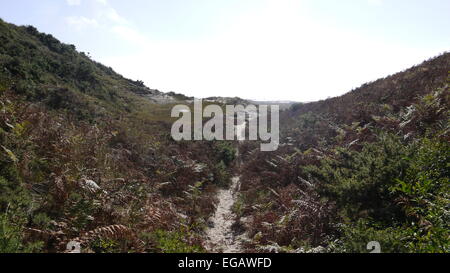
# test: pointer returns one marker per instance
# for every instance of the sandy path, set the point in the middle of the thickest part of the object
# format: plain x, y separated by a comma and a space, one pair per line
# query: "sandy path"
220, 237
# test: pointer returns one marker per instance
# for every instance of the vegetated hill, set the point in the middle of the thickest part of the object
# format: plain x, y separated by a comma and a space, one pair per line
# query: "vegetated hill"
86, 155
368, 105
372, 165
43, 69
396, 92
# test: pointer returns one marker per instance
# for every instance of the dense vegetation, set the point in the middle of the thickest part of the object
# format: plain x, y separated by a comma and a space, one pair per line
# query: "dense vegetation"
372, 165
86, 156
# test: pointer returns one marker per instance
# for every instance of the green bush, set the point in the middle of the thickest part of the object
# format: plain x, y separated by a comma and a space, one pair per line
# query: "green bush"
391, 192
174, 242
14, 204
355, 238
222, 176
226, 152
424, 197
101, 245
360, 182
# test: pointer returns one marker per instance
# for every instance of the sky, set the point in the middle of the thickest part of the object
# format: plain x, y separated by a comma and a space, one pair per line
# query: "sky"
298, 50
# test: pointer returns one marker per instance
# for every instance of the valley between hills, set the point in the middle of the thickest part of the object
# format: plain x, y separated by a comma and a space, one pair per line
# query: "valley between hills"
87, 156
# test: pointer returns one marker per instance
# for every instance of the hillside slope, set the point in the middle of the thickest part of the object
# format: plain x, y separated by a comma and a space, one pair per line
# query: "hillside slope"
380, 100
43, 69
86, 156
396, 91
372, 165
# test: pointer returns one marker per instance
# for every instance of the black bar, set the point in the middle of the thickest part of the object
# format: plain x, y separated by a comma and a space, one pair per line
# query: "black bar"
220, 262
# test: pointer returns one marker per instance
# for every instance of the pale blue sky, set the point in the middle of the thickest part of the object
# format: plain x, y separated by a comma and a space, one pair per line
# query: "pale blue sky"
259, 49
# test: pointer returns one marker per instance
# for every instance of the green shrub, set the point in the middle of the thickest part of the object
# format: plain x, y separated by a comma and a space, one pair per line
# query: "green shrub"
391, 192
360, 182
355, 238
222, 176
12, 221
174, 242
424, 197
226, 152
101, 245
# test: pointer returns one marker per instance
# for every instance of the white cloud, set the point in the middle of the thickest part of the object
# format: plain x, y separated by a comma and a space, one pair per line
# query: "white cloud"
104, 15
81, 22
73, 2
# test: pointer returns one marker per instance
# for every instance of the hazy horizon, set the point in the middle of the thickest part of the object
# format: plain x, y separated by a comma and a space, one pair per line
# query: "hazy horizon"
261, 50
